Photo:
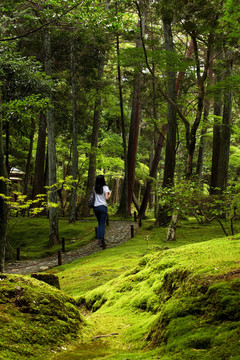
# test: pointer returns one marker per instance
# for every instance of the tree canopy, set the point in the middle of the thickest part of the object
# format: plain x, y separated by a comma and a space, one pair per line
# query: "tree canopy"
145, 92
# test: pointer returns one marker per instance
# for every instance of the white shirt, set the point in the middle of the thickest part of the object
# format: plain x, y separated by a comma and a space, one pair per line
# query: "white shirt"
100, 199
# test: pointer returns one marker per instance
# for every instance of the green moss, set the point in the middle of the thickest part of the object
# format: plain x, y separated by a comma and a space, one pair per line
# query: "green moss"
39, 316
175, 303
31, 235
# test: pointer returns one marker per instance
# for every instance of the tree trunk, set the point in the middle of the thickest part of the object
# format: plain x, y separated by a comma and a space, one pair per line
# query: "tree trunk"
201, 78
170, 154
225, 136
73, 201
53, 209
133, 138
123, 208
134, 128
39, 179
163, 217
202, 140
153, 172
94, 143
171, 234
4, 191
27, 170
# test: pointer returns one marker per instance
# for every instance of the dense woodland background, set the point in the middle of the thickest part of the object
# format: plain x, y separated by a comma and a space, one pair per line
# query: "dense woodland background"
146, 92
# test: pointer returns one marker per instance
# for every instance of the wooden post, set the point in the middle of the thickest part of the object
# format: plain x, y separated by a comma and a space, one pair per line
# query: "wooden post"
140, 222
18, 254
59, 257
132, 231
107, 220
63, 244
135, 216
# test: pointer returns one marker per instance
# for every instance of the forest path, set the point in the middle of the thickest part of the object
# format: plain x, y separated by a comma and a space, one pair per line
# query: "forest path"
115, 234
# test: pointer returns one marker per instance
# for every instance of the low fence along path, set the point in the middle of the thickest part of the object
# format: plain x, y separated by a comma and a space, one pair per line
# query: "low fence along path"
116, 233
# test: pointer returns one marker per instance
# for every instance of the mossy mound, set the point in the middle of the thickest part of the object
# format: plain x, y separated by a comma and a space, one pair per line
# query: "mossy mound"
183, 302
35, 318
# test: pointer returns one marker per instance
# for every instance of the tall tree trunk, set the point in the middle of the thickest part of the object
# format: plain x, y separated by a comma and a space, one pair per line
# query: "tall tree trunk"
202, 140
201, 78
7, 142
73, 201
27, 170
53, 210
133, 130
170, 154
39, 179
153, 172
123, 208
217, 111
163, 217
4, 191
225, 135
94, 142
133, 138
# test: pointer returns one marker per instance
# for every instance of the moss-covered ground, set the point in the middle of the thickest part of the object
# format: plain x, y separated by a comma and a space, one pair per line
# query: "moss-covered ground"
36, 319
31, 236
148, 299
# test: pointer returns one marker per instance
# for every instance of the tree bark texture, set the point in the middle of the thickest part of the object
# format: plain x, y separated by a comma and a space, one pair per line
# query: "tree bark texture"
225, 136
123, 208
27, 170
3, 190
201, 78
202, 140
133, 138
170, 154
217, 110
163, 217
94, 141
39, 179
53, 210
129, 179
153, 172
73, 200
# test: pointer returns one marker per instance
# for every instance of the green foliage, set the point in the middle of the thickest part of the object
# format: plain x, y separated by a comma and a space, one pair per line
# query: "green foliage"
188, 198
229, 22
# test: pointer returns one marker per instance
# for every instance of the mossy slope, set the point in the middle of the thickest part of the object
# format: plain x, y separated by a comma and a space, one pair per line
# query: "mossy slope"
183, 302
34, 317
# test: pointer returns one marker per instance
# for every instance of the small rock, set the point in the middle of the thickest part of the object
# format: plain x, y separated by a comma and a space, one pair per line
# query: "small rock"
43, 268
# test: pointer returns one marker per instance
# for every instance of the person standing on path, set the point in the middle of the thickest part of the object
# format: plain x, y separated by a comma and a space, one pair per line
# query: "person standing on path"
102, 194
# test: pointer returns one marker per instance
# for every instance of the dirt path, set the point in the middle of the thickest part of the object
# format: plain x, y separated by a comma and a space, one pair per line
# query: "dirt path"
116, 233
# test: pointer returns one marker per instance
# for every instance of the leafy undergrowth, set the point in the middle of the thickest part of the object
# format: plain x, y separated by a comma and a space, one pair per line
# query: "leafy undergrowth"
35, 318
183, 303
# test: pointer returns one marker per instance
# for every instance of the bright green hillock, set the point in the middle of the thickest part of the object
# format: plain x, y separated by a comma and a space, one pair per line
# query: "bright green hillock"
35, 318
183, 302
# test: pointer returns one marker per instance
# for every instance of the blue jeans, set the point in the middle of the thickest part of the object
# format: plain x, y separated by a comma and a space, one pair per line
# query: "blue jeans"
101, 214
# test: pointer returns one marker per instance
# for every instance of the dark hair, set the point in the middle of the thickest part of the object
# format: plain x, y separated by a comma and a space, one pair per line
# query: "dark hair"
100, 182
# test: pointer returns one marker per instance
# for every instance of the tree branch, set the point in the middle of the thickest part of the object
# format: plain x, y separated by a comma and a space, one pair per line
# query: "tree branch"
184, 119
42, 26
